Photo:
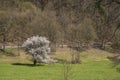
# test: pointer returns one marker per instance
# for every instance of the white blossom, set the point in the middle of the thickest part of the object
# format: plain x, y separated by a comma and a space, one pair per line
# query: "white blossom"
39, 48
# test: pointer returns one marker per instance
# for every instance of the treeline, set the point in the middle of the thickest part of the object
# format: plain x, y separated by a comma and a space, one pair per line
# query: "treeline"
71, 22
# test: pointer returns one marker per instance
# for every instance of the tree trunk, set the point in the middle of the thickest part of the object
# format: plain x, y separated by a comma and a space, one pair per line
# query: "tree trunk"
4, 40
18, 47
35, 62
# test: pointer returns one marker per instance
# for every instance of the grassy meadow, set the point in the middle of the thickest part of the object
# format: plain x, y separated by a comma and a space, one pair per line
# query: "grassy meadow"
95, 66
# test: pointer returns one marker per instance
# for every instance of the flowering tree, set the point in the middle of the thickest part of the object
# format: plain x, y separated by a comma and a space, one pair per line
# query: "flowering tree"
39, 48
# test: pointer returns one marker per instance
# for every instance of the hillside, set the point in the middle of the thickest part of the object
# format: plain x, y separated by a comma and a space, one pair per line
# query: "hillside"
61, 21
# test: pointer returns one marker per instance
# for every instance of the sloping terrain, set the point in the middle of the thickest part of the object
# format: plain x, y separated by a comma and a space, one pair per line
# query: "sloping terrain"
95, 66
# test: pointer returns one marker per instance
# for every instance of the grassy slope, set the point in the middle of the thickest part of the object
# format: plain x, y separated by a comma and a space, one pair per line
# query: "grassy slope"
95, 66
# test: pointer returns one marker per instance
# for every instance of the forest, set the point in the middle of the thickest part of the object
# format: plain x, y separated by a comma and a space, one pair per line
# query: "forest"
61, 21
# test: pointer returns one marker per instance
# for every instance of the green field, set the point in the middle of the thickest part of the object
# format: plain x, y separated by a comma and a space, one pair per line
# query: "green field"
95, 66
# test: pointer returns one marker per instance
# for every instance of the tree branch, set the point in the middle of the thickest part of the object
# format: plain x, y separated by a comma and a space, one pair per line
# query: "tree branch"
116, 1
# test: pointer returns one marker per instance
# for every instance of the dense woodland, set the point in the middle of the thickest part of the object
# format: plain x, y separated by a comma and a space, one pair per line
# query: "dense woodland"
69, 22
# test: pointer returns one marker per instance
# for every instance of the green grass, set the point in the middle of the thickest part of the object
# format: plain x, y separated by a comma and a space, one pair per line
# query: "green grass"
98, 70
93, 67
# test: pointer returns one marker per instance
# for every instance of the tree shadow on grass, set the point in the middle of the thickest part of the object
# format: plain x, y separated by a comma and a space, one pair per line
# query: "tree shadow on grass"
27, 64
118, 69
116, 62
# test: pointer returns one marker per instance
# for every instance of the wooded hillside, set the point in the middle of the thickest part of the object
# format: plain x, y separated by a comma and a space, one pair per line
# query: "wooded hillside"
62, 21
